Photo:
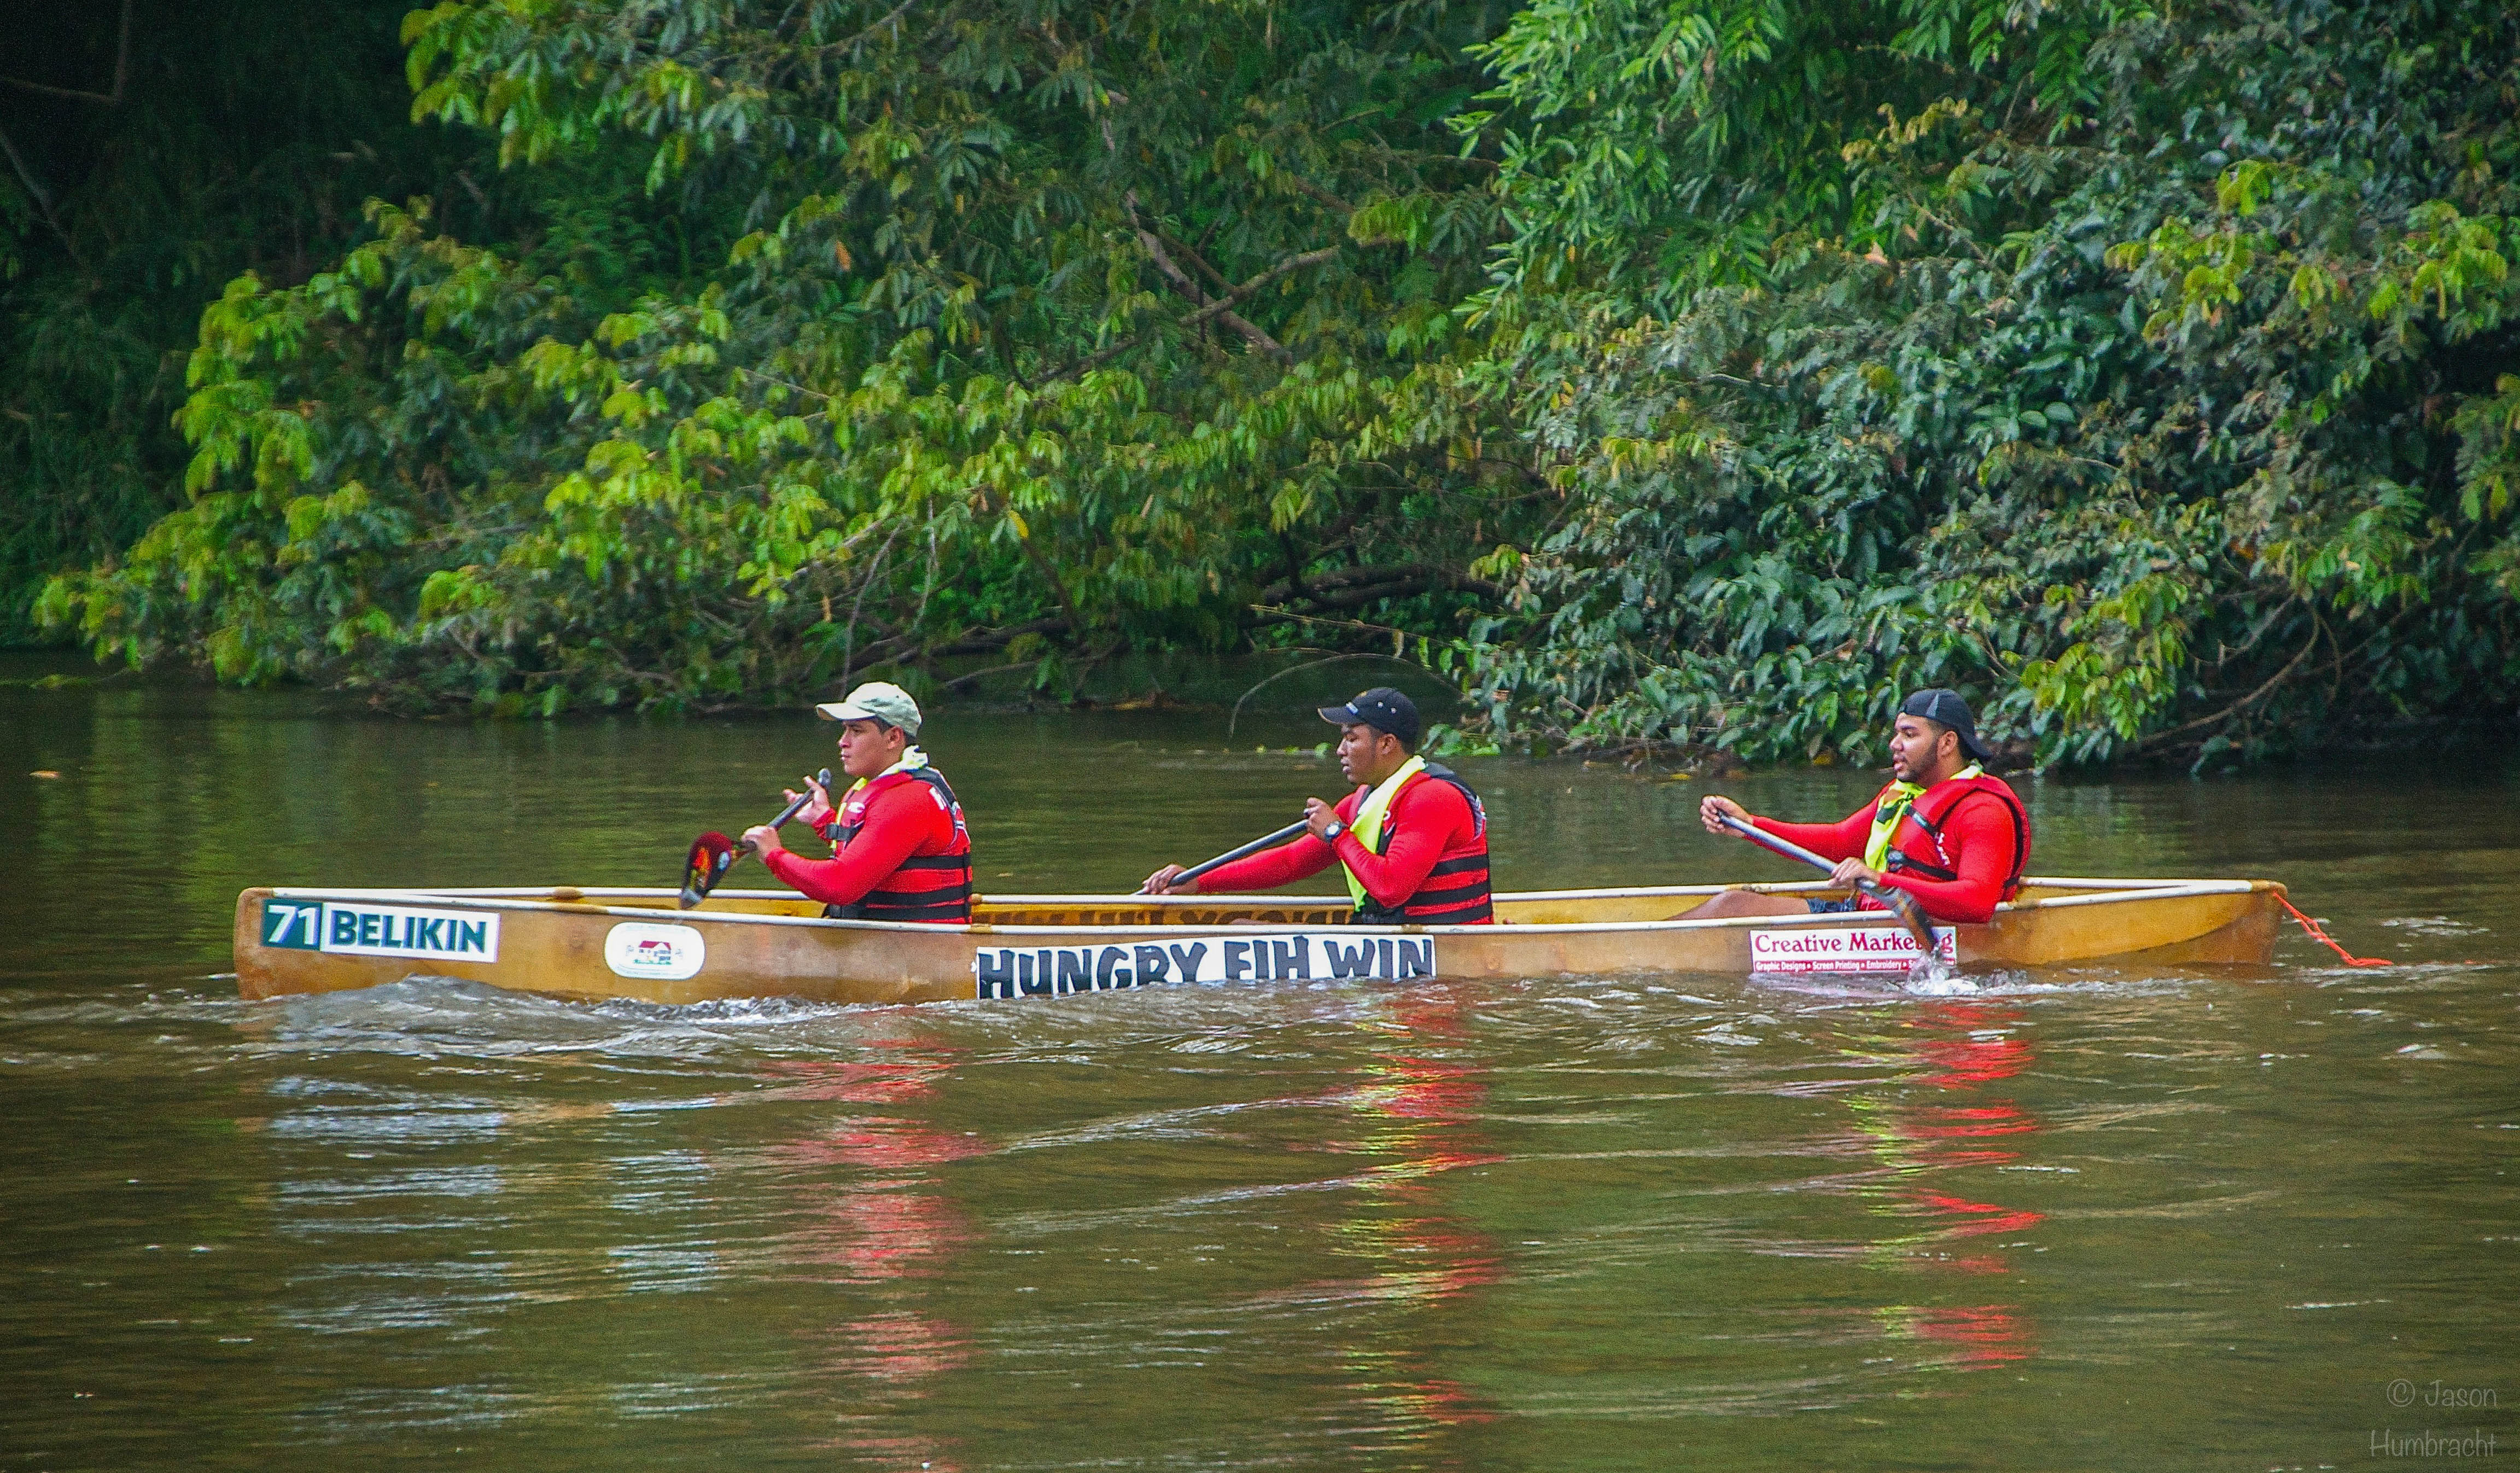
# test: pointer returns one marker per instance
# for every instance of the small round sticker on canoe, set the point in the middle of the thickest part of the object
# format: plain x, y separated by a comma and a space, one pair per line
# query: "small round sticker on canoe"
665, 953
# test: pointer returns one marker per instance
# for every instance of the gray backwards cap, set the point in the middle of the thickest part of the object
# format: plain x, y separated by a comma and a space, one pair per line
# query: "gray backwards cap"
1946, 707
875, 701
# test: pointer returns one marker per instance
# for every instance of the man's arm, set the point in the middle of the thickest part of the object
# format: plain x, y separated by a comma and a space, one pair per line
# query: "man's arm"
897, 823
1430, 819
1842, 840
1267, 869
1982, 834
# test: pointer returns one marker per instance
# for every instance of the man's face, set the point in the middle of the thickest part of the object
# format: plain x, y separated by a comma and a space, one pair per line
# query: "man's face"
868, 747
1362, 753
1916, 747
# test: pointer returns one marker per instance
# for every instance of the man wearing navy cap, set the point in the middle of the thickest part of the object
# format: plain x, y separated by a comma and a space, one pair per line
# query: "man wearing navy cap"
1411, 839
1942, 830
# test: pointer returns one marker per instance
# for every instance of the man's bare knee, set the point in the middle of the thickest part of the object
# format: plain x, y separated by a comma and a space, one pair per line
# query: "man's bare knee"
1735, 903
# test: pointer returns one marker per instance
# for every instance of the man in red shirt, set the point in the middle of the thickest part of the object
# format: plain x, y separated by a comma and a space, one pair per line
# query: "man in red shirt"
1411, 839
1942, 830
901, 850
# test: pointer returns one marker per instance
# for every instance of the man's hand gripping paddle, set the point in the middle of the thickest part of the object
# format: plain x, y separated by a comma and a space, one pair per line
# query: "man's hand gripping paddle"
1901, 903
713, 853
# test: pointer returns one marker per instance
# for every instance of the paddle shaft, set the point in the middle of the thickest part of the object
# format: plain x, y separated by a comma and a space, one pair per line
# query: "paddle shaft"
1266, 841
1786, 846
794, 808
1898, 903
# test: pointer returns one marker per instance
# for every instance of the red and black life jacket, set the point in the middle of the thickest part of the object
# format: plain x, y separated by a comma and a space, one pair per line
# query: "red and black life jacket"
1918, 847
1455, 892
930, 888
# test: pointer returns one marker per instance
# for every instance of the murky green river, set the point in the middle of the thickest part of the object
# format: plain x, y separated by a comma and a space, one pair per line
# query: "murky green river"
2085, 1219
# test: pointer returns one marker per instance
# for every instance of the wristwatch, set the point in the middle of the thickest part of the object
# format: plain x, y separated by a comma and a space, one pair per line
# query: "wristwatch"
1330, 835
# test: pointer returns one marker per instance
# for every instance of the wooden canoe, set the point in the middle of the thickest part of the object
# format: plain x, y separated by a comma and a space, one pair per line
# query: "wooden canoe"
633, 944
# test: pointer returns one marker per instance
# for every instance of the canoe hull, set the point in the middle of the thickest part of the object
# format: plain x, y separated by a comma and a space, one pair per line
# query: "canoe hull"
632, 943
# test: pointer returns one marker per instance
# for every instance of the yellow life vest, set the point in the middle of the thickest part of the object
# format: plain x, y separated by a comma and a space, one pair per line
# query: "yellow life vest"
1372, 817
1896, 800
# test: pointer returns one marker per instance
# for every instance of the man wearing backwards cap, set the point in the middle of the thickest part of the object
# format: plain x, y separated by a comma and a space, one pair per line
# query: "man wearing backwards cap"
1942, 830
900, 848
1411, 839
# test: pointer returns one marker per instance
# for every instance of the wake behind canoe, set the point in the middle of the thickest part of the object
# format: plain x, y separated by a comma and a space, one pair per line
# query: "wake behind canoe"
600, 943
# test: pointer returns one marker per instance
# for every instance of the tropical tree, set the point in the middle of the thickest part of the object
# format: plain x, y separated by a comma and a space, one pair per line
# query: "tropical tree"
1048, 328
2145, 371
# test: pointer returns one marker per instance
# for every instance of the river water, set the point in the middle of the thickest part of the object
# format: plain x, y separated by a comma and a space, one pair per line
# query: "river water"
2098, 1218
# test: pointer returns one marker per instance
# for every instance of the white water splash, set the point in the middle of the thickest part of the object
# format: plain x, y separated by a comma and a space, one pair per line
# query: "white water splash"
1933, 977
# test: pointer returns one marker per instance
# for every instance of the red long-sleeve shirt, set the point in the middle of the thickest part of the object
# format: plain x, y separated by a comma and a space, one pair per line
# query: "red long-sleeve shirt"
1977, 834
1428, 821
902, 821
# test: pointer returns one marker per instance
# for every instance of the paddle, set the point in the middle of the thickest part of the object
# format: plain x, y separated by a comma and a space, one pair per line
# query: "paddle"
1266, 841
1901, 903
713, 853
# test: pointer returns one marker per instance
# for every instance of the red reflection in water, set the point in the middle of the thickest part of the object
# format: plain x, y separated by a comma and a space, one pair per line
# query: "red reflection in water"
1960, 1047
1979, 1336
878, 1221
1418, 1115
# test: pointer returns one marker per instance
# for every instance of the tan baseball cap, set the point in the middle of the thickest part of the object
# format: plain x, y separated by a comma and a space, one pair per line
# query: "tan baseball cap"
875, 701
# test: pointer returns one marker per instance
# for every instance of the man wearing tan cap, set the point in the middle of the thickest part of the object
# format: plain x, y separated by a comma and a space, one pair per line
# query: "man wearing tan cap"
900, 848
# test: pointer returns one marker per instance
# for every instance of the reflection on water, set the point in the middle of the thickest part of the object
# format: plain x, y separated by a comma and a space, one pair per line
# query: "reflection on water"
1417, 1116
1958, 1049
2087, 1218
876, 1219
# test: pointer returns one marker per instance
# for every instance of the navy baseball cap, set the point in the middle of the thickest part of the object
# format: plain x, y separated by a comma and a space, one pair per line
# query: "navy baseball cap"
1946, 707
1383, 709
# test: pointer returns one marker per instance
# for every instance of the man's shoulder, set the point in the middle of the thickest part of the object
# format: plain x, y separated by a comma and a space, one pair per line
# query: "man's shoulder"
1990, 784
2005, 815
901, 790
1437, 789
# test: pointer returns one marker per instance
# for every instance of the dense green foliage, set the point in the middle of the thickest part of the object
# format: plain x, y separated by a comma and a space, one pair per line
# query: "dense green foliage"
124, 212
1707, 371
2149, 371
124, 209
1032, 326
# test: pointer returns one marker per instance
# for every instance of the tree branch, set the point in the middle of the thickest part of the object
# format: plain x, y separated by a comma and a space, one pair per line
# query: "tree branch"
1040, 564
43, 201
122, 75
1355, 587
898, 11
1215, 307
1222, 305
997, 639
2160, 739
1321, 195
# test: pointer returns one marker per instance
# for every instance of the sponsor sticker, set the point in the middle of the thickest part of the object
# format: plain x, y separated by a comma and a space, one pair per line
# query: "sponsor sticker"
1845, 949
670, 953
357, 930
1260, 956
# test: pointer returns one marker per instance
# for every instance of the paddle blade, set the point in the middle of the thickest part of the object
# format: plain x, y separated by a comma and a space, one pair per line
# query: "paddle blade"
1911, 915
712, 855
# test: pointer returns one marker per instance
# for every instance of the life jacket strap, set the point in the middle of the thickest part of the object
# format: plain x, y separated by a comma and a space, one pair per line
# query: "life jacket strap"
947, 902
1934, 825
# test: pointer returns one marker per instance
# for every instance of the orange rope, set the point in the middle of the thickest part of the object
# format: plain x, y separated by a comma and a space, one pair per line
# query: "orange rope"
2320, 936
